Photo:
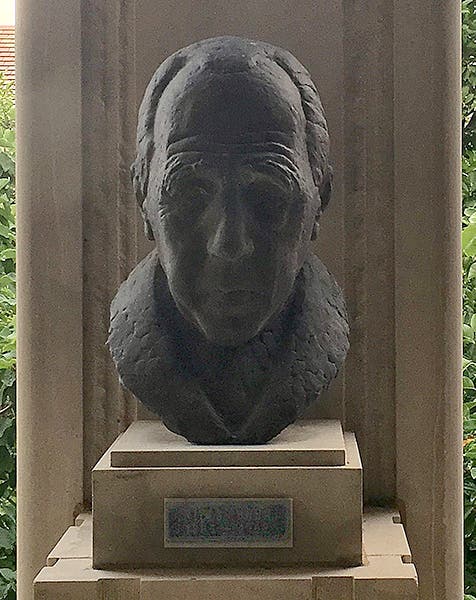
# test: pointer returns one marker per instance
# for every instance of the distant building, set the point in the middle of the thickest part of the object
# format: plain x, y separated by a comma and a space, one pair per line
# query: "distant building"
7, 51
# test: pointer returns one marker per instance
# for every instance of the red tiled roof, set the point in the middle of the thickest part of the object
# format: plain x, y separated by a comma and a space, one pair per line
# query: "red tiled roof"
7, 51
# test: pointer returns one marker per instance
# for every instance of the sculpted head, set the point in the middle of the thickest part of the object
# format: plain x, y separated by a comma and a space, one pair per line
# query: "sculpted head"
231, 175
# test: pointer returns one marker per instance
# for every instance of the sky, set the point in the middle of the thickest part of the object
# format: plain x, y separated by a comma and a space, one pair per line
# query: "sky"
7, 12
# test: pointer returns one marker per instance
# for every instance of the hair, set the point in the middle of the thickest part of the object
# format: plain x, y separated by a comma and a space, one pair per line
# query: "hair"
317, 137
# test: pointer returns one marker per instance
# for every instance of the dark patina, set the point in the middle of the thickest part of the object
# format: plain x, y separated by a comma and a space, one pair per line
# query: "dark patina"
231, 327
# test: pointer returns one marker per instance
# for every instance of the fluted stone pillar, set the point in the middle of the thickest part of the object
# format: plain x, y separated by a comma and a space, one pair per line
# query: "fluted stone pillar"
77, 242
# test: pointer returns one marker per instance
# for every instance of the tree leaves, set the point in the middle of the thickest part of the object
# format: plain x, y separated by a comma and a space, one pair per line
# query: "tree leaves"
7, 344
469, 240
469, 289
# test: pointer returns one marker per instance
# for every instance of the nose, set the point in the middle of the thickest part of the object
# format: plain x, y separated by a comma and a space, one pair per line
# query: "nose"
230, 240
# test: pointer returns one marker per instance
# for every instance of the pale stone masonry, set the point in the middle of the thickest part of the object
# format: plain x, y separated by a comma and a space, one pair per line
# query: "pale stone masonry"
326, 514
390, 82
388, 573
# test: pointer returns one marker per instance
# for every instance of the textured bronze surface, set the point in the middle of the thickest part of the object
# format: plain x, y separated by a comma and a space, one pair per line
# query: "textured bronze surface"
231, 327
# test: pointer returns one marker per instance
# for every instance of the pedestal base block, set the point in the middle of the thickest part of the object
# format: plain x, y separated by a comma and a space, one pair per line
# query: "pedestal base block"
387, 574
275, 504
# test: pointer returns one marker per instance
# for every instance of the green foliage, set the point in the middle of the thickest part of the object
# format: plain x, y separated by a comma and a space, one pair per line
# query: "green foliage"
469, 290
469, 73
7, 343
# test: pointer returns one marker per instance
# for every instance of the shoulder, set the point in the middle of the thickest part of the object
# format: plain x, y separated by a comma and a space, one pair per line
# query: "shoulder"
322, 329
134, 330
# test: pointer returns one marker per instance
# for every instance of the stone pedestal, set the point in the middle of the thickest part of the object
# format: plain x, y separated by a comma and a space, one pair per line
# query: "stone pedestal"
387, 573
311, 474
119, 552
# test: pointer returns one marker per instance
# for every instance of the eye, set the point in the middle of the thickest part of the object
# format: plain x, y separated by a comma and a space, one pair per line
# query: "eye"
269, 204
188, 196
196, 192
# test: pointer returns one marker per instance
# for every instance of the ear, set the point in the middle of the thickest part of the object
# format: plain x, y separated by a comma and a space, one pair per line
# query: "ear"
149, 234
325, 188
139, 186
315, 229
139, 180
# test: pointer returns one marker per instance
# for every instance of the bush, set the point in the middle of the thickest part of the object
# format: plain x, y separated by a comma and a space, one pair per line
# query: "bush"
7, 343
469, 289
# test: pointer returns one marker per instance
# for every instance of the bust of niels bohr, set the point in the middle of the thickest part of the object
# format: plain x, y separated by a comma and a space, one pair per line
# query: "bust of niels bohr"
231, 327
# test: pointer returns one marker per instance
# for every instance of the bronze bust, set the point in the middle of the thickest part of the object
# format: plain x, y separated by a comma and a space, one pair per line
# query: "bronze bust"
231, 327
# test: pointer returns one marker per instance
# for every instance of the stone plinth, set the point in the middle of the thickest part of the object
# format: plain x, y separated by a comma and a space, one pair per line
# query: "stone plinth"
387, 574
325, 500
151, 444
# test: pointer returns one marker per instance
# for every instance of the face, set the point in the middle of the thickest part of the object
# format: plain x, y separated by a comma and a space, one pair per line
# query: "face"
232, 221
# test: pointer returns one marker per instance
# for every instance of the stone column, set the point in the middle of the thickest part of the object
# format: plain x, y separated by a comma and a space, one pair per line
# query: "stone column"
368, 175
77, 224
109, 211
427, 113
50, 408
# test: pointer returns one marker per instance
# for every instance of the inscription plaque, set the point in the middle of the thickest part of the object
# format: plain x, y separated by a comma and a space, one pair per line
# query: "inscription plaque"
228, 522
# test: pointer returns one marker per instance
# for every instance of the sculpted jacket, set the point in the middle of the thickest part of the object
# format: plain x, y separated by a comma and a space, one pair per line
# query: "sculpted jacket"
218, 395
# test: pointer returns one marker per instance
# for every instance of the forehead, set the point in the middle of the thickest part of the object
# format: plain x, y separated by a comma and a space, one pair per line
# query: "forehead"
228, 108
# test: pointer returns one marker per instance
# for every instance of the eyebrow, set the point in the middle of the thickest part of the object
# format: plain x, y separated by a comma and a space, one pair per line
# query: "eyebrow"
176, 167
265, 160
276, 164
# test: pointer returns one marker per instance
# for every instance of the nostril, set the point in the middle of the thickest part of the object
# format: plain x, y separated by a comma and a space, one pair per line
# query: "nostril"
230, 241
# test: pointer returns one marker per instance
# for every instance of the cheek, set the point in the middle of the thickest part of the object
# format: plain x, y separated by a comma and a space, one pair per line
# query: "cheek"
182, 254
290, 243
291, 248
